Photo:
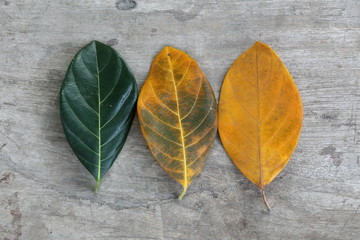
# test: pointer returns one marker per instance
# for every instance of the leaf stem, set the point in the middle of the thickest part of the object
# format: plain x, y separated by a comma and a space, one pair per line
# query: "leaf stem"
97, 185
265, 201
183, 193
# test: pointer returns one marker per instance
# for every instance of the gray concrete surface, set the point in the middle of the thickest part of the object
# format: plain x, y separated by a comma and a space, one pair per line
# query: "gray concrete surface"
45, 193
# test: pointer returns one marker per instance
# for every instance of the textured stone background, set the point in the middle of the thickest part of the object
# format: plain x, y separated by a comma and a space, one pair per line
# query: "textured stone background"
45, 193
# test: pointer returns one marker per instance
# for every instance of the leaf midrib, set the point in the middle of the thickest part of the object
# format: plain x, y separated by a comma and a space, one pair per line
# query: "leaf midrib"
99, 119
259, 119
180, 124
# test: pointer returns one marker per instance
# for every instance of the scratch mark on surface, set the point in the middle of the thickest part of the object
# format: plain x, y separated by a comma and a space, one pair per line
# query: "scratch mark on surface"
352, 123
330, 116
2, 146
348, 221
158, 208
92, 214
355, 130
10, 104
7, 177
16, 215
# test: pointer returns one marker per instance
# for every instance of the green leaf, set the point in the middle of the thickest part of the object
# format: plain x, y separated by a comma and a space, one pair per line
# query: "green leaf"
97, 106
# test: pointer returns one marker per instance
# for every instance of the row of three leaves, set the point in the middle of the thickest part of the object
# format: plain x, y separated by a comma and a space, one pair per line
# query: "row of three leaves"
260, 112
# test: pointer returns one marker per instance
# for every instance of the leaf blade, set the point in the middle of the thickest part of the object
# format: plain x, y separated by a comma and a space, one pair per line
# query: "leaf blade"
176, 107
260, 114
97, 106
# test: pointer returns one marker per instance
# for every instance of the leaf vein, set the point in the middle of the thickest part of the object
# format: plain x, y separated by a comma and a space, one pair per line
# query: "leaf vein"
153, 114
78, 117
277, 130
194, 143
274, 105
165, 154
147, 125
241, 105
201, 121
111, 53
79, 139
118, 132
197, 97
200, 155
161, 102
82, 59
246, 156
81, 94
110, 92
241, 131
184, 74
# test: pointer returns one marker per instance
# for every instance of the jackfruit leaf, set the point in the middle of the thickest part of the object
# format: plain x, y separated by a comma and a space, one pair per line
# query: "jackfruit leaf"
177, 115
260, 115
97, 106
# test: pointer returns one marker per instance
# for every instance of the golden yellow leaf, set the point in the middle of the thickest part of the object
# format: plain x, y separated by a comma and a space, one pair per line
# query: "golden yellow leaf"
177, 115
260, 114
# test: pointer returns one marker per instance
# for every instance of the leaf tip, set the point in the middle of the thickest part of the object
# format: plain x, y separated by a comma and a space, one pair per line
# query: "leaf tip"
96, 43
261, 44
93, 42
169, 49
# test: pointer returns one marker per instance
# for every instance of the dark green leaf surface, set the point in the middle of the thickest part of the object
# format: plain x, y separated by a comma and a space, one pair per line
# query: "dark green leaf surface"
97, 105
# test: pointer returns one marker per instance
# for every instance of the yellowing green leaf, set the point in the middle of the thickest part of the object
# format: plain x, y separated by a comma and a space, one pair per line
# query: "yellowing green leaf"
177, 114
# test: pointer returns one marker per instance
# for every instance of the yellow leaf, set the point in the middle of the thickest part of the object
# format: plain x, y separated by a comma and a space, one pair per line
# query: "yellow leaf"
177, 115
260, 114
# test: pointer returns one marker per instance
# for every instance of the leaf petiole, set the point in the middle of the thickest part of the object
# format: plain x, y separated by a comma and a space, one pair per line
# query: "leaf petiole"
265, 201
97, 185
183, 193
